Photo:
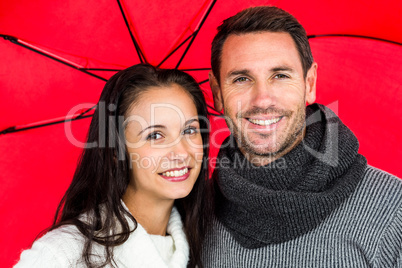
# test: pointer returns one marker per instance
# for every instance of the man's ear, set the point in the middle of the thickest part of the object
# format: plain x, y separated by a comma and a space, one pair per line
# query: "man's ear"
216, 91
311, 80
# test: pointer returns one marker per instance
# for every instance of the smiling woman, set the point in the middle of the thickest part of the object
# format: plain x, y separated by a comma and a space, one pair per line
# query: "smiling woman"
165, 149
143, 199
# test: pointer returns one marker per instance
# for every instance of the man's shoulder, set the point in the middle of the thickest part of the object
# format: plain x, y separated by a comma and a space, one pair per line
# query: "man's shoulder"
377, 177
385, 192
379, 192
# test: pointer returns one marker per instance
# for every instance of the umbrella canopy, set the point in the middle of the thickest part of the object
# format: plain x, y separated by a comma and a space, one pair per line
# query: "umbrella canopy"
56, 56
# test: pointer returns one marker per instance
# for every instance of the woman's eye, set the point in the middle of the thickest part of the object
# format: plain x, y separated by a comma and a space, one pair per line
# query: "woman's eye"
154, 136
190, 130
281, 76
241, 79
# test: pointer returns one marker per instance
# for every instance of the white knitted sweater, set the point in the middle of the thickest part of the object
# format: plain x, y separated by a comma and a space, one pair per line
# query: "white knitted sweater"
63, 248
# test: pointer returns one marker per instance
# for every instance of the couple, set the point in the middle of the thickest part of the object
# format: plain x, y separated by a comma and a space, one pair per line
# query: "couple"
289, 189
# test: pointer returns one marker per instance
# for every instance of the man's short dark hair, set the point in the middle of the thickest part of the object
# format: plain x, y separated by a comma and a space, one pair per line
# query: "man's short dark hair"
261, 19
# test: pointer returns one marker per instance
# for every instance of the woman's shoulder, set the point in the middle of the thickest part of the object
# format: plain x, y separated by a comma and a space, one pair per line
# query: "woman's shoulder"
61, 247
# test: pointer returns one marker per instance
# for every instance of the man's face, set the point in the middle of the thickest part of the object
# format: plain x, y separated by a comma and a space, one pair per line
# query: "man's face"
263, 93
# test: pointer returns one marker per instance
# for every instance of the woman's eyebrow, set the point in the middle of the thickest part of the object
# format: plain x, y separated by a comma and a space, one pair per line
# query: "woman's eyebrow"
188, 122
152, 126
164, 127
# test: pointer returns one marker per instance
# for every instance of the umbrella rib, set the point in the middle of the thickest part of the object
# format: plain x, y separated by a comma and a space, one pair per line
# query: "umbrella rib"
88, 110
101, 69
179, 46
196, 32
176, 46
354, 36
196, 69
136, 45
202, 82
16, 41
18, 129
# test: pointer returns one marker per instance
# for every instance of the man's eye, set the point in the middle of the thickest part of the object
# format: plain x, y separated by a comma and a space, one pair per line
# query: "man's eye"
154, 136
281, 76
241, 79
190, 130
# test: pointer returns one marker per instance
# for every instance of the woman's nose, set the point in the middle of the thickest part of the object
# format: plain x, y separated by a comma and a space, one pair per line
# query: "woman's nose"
179, 151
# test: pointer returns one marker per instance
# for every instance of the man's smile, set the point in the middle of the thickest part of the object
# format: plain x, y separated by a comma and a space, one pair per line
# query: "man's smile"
264, 122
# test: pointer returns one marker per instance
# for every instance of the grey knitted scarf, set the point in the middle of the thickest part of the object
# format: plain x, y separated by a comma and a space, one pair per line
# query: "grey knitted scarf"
292, 195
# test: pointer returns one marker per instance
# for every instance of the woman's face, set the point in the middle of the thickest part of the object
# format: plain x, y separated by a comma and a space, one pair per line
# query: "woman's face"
164, 143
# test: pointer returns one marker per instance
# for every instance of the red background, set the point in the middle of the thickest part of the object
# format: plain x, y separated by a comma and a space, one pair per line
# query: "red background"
359, 78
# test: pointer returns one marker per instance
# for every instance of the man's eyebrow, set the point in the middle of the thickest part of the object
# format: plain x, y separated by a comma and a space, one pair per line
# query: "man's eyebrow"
153, 126
274, 69
282, 68
237, 72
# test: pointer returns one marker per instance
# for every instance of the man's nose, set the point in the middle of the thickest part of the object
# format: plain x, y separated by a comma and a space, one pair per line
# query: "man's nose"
263, 95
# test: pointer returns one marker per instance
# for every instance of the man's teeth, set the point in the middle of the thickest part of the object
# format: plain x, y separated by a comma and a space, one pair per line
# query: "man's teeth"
175, 173
264, 122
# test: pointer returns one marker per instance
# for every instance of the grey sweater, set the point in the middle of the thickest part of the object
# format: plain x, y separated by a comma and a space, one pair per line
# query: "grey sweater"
364, 231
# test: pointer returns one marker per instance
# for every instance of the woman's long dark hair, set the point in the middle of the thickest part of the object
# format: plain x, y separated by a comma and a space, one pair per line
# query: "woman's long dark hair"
103, 172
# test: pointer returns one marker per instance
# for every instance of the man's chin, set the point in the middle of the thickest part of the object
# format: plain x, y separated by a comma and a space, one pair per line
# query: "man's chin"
264, 150
260, 146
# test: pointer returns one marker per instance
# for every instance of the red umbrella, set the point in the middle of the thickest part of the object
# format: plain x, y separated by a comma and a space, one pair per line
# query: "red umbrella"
56, 55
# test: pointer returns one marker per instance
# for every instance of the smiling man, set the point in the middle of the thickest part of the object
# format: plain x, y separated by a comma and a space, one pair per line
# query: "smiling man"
291, 188
263, 91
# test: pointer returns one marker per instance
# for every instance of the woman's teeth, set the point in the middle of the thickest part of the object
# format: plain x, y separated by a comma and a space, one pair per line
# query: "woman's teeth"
175, 173
264, 122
